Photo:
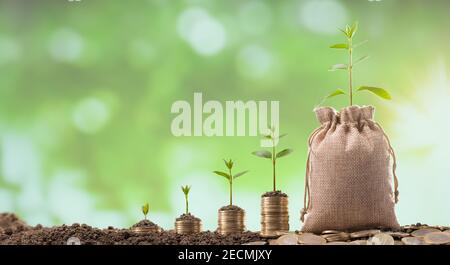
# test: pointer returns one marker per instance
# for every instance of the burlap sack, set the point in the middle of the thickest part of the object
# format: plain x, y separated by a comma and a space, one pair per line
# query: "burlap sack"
349, 173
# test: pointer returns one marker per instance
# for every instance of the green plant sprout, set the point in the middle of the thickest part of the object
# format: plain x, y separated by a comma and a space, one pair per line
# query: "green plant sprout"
349, 33
145, 209
273, 155
229, 176
186, 190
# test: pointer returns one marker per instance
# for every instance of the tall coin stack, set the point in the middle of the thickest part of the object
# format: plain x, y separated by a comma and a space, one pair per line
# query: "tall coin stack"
231, 220
274, 215
188, 226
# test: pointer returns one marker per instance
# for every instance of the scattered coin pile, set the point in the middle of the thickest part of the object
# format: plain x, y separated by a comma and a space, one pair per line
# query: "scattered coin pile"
231, 221
408, 235
188, 226
274, 215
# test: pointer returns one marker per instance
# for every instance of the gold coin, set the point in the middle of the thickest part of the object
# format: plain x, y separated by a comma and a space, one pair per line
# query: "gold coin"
326, 232
342, 236
256, 243
437, 238
311, 239
337, 243
288, 239
398, 234
381, 239
364, 233
422, 232
273, 242
413, 241
359, 242
144, 230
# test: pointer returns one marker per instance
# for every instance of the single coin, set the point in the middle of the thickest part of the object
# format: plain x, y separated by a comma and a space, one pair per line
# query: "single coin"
437, 238
422, 232
282, 233
399, 234
381, 239
311, 239
342, 236
359, 242
413, 241
273, 242
288, 239
365, 233
326, 232
256, 243
337, 243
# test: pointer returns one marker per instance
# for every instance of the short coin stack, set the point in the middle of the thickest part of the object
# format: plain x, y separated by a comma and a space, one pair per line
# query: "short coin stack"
145, 226
231, 220
188, 224
274, 215
146, 229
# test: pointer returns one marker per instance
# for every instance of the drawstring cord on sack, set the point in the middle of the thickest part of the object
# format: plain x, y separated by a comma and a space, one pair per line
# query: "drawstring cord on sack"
394, 164
307, 195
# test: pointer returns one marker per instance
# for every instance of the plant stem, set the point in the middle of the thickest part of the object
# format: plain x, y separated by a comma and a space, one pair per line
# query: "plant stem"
231, 189
273, 165
187, 204
350, 68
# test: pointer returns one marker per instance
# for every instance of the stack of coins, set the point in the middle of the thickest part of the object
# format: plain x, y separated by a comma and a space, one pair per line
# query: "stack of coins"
231, 221
188, 226
274, 215
146, 229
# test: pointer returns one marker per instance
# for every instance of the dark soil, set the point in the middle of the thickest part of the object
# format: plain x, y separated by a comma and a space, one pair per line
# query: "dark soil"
10, 223
88, 235
188, 217
231, 208
277, 193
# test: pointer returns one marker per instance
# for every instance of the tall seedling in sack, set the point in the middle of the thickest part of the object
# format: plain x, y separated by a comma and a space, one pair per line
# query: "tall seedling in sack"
348, 46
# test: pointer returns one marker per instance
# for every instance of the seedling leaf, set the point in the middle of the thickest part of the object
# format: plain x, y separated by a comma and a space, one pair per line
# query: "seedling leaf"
229, 163
186, 189
354, 29
263, 154
223, 174
239, 174
337, 92
339, 46
284, 152
145, 209
382, 93
339, 66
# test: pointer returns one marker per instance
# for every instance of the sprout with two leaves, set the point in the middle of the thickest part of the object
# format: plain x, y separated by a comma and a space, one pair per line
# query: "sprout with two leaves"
145, 209
186, 190
349, 33
229, 176
273, 156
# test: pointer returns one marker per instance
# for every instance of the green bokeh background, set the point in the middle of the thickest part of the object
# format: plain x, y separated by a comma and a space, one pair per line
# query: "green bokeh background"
86, 89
